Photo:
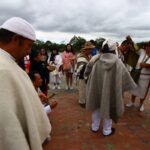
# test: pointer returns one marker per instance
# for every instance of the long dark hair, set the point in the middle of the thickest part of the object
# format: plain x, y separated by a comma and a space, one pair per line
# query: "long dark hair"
52, 58
72, 50
33, 54
46, 54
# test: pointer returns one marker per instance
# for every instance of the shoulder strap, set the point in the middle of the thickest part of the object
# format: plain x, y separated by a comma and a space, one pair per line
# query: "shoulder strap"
146, 59
80, 63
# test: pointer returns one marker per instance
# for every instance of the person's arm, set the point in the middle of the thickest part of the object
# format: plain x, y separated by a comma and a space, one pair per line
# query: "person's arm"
73, 57
63, 57
79, 68
89, 66
43, 97
59, 60
88, 69
145, 65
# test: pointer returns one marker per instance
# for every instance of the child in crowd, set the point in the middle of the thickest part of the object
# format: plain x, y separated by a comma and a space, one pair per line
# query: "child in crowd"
56, 60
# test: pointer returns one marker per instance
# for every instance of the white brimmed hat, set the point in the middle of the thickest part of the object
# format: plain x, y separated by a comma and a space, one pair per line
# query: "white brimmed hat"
19, 26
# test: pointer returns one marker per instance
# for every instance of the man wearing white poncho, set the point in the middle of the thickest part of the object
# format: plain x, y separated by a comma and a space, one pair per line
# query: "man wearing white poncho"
82, 59
107, 80
23, 122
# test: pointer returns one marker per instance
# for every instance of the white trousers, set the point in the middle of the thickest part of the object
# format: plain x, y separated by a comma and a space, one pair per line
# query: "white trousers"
82, 88
55, 78
96, 119
47, 109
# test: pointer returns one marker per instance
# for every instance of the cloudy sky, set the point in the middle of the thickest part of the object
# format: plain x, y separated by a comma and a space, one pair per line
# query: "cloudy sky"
59, 20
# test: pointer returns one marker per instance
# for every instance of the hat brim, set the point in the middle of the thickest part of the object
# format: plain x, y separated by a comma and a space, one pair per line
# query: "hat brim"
88, 47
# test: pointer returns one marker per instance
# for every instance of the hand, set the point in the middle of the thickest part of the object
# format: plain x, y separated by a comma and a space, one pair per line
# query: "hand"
53, 104
72, 58
89, 56
43, 97
51, 68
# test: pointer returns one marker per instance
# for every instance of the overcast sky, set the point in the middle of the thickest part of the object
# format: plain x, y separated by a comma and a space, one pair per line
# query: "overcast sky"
59, 20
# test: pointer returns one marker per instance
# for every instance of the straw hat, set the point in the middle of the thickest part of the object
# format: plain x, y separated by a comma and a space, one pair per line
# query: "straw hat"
88, 45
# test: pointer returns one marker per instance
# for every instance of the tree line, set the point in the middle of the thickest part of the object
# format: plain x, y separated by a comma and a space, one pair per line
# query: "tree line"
77, 43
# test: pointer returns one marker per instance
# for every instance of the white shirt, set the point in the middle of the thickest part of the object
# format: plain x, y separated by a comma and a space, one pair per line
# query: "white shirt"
142, 57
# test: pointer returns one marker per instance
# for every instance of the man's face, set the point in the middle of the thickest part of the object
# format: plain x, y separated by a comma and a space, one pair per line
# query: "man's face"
87, 51
124, 48
38, 57
23, 48
38, 80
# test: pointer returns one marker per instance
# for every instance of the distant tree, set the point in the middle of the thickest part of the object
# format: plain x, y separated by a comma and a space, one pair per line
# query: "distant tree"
77, 43
61, 47
141, 44
38, 44
99, 41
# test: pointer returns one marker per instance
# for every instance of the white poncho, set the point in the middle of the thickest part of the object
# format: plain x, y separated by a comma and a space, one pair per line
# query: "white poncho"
23, 122
108, 79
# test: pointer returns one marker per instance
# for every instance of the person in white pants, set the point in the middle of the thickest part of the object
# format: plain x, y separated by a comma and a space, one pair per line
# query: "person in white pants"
107, 78
107, 123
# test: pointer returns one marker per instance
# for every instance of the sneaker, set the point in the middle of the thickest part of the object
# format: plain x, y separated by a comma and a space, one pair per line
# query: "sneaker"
58, 87
67, 88
142, 108
71, 88
112, 132
94, 131
130, 104
54, 87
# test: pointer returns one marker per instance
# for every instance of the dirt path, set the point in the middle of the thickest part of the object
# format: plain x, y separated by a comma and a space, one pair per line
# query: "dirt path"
71, 125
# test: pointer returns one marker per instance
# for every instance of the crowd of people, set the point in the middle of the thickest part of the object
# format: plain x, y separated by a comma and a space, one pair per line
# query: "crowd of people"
25, 74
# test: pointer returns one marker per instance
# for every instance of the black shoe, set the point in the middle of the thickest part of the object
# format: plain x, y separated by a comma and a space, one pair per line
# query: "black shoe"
82, 105
112, 132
